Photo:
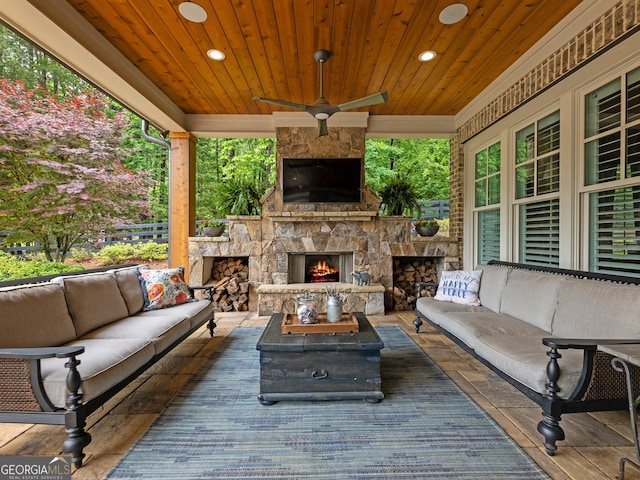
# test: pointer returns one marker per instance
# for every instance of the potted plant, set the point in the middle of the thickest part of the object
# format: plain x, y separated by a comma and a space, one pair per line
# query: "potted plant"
213, 228
427, 228
399, 197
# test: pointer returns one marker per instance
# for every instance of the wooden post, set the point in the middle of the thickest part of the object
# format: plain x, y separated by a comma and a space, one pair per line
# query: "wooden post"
182, 197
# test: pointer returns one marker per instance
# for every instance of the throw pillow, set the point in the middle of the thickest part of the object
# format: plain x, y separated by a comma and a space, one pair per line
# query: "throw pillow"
163, 288
459, 286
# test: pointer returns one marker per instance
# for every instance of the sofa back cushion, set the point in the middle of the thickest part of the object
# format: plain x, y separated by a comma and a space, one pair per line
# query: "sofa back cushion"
129, 285
531, 297
492, 283
94, 300
596, 309
34, 316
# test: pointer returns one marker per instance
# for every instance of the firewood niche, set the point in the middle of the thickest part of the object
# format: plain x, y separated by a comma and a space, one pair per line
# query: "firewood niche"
230, 278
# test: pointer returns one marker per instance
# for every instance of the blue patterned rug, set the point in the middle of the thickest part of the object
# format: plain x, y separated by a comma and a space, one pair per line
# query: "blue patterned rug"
425, 428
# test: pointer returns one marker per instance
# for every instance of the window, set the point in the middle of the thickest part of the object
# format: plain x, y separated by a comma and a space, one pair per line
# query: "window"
488, 235
612, 175
487, 186
614, 237
487, 196
539, 233
537, 185
538, 157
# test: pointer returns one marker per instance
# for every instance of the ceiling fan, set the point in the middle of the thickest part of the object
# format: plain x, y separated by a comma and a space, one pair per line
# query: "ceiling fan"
321, 109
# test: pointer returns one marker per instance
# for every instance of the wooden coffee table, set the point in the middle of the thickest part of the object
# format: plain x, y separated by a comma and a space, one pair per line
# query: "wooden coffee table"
319, 366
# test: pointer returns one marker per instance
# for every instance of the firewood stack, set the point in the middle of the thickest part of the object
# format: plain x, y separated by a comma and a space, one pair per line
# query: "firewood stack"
406, 272
231, 281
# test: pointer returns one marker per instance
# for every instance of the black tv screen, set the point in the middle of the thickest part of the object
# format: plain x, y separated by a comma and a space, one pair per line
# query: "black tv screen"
321, 180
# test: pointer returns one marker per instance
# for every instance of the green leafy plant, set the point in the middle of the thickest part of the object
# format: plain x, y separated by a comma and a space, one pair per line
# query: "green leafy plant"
237, 197
428, 222
399, 197
212, 223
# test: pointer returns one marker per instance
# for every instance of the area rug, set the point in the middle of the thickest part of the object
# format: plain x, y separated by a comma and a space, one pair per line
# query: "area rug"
425, 428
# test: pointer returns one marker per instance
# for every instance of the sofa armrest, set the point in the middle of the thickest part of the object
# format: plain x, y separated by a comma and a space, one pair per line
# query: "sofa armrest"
585, 343
596, 374
21, 373
39, 353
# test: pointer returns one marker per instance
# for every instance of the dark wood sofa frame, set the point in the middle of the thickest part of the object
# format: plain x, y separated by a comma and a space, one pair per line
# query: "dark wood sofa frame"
601, 386
19, 364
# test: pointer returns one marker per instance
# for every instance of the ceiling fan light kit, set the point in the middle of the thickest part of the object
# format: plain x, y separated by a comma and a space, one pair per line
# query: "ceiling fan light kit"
321, 110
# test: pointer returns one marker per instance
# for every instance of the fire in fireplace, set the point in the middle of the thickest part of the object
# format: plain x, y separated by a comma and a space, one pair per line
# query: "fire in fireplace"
321, 269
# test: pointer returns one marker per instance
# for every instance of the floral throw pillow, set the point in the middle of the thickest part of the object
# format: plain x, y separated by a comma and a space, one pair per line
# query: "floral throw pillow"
459, 286
163, 288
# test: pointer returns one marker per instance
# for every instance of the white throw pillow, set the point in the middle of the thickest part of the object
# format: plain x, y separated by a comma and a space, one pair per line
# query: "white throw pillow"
459, 286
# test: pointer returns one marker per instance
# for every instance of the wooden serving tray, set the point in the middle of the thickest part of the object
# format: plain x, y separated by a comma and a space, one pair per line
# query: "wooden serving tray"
347, 324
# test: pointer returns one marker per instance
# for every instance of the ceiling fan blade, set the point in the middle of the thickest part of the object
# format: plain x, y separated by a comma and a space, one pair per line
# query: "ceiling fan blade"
282, 103
380, 97
322, 128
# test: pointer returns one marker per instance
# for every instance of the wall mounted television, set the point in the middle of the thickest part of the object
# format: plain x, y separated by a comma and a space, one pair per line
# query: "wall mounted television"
322, 180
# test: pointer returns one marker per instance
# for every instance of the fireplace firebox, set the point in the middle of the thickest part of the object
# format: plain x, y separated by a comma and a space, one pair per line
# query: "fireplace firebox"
320, 267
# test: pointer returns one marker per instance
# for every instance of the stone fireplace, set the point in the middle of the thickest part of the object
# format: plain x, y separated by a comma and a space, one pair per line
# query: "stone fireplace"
282, 244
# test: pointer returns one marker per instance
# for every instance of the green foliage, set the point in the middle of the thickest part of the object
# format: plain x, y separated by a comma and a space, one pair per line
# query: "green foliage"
237, 196
399, 197
213, 223
424, 161
428, 222
21, 60
118, 253
12, 267
150, 251
115, 254
145, 156
232, 175
61, 169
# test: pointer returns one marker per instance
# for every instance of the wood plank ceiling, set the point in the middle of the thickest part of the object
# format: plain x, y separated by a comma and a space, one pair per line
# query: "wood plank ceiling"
269, 46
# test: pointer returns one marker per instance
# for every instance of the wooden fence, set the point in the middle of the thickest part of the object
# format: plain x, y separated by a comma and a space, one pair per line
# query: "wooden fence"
159, 232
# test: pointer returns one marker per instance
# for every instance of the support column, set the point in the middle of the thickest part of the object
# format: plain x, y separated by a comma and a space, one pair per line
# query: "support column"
182, 197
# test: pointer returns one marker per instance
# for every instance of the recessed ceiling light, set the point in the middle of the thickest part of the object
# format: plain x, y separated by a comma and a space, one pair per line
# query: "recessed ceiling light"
426, 56
214, 54
453, 13
192, 12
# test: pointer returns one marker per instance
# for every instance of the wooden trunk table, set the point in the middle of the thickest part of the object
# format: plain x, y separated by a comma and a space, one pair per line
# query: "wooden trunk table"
319, 366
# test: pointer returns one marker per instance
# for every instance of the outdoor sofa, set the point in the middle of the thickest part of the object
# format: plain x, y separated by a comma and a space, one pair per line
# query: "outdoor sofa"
70, 344
542, 329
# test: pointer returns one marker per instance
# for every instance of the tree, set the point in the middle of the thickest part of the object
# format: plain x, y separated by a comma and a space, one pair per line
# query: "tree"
424, 162
62, 176
22, 60
232, 175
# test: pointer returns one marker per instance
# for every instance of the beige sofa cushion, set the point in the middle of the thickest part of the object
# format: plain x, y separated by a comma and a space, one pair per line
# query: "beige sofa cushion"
93, 299
103, 364
596, 309
492, 283
162, 329
469, 326
34, 316
129, 284
531, 297
524, 358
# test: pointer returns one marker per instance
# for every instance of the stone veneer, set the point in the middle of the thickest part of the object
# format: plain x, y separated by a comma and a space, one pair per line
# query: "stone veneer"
268, 240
